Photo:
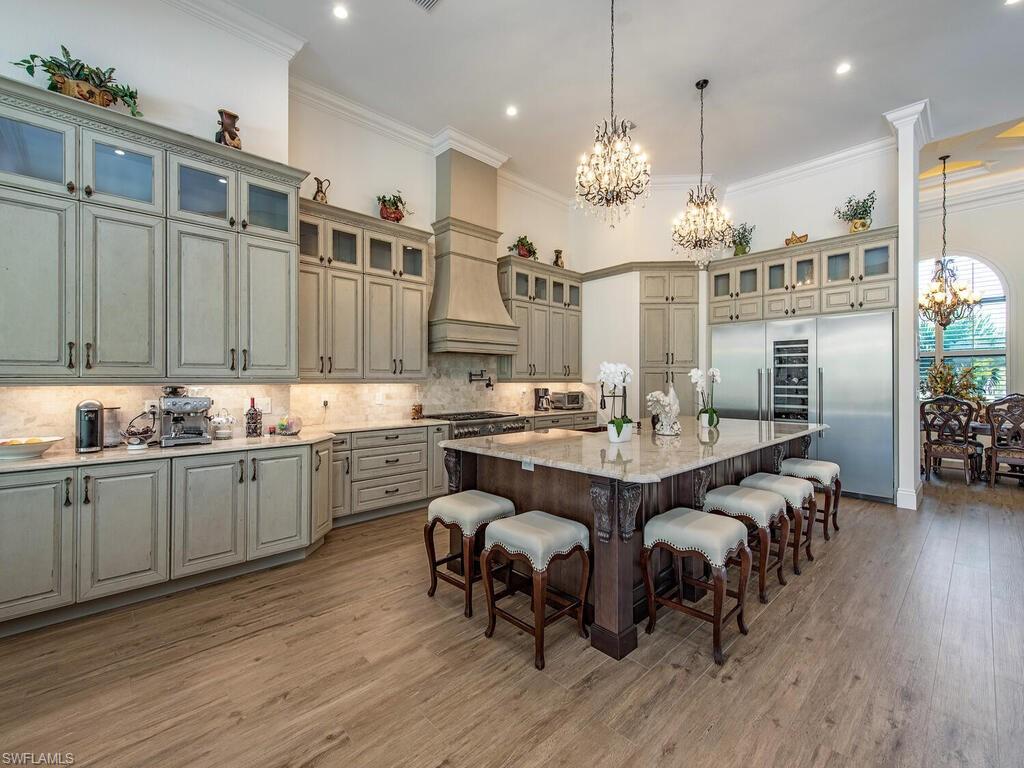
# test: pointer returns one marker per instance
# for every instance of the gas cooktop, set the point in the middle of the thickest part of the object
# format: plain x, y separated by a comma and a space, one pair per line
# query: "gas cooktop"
470, 416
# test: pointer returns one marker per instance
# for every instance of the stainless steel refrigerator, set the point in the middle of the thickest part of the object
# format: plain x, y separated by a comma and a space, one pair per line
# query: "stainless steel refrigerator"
837, 370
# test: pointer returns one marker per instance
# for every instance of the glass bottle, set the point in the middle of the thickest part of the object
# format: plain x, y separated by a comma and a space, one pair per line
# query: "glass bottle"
253, 420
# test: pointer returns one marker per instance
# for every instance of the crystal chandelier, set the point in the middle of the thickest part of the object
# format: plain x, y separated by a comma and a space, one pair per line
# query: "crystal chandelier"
616, 173
946, 299
703, 229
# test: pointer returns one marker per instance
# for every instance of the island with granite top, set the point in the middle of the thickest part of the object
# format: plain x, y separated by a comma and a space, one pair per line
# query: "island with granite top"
614, 489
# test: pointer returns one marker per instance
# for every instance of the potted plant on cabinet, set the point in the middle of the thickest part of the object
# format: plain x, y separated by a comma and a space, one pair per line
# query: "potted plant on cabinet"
523, 247
74, 78
393, 207
857, 212
741, 237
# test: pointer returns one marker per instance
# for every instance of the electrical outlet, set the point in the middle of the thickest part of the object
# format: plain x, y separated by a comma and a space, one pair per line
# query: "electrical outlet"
150, 405
325, 404
528, 465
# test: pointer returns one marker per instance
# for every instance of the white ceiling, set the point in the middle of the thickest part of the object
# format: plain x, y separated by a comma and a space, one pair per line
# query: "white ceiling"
774, 98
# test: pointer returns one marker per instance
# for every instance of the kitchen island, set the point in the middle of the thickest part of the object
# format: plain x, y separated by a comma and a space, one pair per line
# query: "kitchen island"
614, 489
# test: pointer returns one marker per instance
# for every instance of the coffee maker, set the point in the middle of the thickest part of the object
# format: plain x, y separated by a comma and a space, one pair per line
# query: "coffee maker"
541, 399
89, 426
184, 420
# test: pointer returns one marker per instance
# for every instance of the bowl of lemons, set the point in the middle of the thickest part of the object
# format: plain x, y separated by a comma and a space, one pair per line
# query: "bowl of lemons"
26, 447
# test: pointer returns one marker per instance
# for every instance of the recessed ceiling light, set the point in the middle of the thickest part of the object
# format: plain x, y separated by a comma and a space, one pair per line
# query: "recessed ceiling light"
843, 68
340, 12
511, 110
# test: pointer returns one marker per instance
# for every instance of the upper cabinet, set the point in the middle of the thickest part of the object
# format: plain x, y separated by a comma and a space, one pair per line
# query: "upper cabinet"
677, 287
201, 192
124, 174
38, 152
380, 256
267, 208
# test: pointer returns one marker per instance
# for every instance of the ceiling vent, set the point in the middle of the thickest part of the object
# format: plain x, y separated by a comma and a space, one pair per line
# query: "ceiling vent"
427, 5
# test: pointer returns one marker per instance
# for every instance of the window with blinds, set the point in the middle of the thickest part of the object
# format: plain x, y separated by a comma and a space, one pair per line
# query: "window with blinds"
979, 340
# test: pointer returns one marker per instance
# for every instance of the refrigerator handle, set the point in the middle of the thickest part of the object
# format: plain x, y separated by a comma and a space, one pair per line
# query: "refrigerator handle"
821, 401
760, 393
770, 395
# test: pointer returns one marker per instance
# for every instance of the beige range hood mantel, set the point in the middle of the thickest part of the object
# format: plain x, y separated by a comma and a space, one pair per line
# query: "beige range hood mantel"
466, 311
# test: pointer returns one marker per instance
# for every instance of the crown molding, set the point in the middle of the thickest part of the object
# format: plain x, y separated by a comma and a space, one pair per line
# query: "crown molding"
452, 138
812, 167
974, 194
337, 105
522, 184
954, 177
918, 114
682, 182
243, 24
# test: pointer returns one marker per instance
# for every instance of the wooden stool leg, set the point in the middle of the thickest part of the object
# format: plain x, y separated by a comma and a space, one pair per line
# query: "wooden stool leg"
645, 567
744, 578
719, 578
488, 577
798, 527
783, 533
812, 518
428, 540
764, 541
468, 543
835, 503
508, 578
828, 512
540, 590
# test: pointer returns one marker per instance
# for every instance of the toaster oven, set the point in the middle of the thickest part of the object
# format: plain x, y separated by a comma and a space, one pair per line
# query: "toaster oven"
567, 401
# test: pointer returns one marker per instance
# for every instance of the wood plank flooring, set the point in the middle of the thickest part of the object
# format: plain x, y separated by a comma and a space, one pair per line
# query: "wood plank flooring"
902, 644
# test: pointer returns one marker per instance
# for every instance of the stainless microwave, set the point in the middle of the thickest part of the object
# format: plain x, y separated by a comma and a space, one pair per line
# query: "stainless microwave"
567, 401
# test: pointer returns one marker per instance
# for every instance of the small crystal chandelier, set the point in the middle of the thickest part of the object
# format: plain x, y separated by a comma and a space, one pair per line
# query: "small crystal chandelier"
946, 299
703, 229
616, 173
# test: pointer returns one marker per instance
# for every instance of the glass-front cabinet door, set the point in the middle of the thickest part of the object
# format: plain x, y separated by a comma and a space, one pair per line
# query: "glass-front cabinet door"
776, 277
540, 289
267, 208
311, 240
559, 297
877, 261
721, 284
37, 152
413, 261
122, 173
522, 285
803, 272
748, 280
379, 254
575, 296
201, 192
838, 267
345, 247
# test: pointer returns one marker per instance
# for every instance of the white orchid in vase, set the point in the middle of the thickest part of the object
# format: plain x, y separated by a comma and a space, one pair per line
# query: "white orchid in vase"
612, 377
704, 386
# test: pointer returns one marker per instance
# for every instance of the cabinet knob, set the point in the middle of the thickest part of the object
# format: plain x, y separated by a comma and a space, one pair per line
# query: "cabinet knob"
860, 277
321, 259
853, 278
244, 223
792, 312
71, 187
394, 272
231, 221
787, 311
860, 304
673, 298
88, 190
851, 305
330, 260
666, 298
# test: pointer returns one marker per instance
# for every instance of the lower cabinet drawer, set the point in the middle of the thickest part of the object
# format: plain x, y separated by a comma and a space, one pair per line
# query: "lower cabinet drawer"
377, 493
583, 421
553, 422
388, 462
389, 437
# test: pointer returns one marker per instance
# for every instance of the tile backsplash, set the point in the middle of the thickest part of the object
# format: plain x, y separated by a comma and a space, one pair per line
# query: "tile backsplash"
50, 410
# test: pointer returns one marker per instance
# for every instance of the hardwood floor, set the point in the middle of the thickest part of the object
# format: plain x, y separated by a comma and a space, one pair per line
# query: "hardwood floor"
902, 644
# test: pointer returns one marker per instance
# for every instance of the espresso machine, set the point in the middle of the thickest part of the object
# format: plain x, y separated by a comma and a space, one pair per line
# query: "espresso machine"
541, 399
184, 420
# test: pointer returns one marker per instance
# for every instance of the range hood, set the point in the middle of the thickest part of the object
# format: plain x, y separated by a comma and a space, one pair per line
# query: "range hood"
466, 311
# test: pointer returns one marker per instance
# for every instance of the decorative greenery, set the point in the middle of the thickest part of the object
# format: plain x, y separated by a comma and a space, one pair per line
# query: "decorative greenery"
742, 235
394, 202
521, 245
76, 69
619, 422
945, 379
704, 385
857, 208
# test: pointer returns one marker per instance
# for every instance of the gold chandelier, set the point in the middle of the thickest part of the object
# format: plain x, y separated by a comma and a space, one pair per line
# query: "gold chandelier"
703, 229
616, 173
946, 299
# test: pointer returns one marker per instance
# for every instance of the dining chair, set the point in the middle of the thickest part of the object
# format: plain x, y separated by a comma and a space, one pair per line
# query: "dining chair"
946, 421
1006, 418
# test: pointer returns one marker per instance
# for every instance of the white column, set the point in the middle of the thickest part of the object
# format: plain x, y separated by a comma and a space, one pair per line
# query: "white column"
912, 126
703, 313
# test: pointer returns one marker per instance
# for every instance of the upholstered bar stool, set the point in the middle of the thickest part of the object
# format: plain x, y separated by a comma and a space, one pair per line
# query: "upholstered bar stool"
467, 512
824, 475
761, 511
716, 539
537, 538
800, 506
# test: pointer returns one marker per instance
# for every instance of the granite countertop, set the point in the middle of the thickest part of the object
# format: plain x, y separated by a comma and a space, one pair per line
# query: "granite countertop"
558, 412
55, 458
339, 427
647, 458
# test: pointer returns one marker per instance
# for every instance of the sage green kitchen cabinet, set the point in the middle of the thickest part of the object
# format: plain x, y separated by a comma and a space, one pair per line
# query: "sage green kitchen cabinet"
202, 301
556, 342
208, 512
540, 325
123, 521
412, 261
437, 477
655, 335
278, 516
344, 320
682, 350
38, 285
122, 173
122, 293
341, 476
518, 366
411, 331
668, 287
380, 256
311, 241
661, 380
267, 314
37, 535
573, 345
380, 308
39, 153
322, 517
312, 322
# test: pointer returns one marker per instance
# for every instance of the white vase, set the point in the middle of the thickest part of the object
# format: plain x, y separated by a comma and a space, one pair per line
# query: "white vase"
624, 437
705, 421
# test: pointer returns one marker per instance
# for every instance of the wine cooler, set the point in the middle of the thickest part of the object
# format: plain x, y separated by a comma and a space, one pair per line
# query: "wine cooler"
790, 373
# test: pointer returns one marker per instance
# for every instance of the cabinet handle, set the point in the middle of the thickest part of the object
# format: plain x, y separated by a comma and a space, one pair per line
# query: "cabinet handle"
71, 354
67, 491
231, 221
241, 471
390, 437
330, 260
391, 461
792, 311
394, 366
245, 224
401, 273
389, 491
401, 365
253, 478
234, 359
851, 305
666, 358
321, 259
666, 298
245, 359
85, 485
860, 277
88, 354
319, 461
860, 304
394, 272
330, 364
853, 278
673, 358
88, 190
321, 363
348, 464
71, 187
673, 375
666, 377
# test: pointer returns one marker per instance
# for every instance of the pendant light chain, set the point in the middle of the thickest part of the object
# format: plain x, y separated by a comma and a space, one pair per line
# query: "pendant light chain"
613, 63
944, 159
701, 182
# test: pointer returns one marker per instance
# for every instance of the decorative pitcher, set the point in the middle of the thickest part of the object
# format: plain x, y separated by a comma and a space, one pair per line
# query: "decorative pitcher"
320, 196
